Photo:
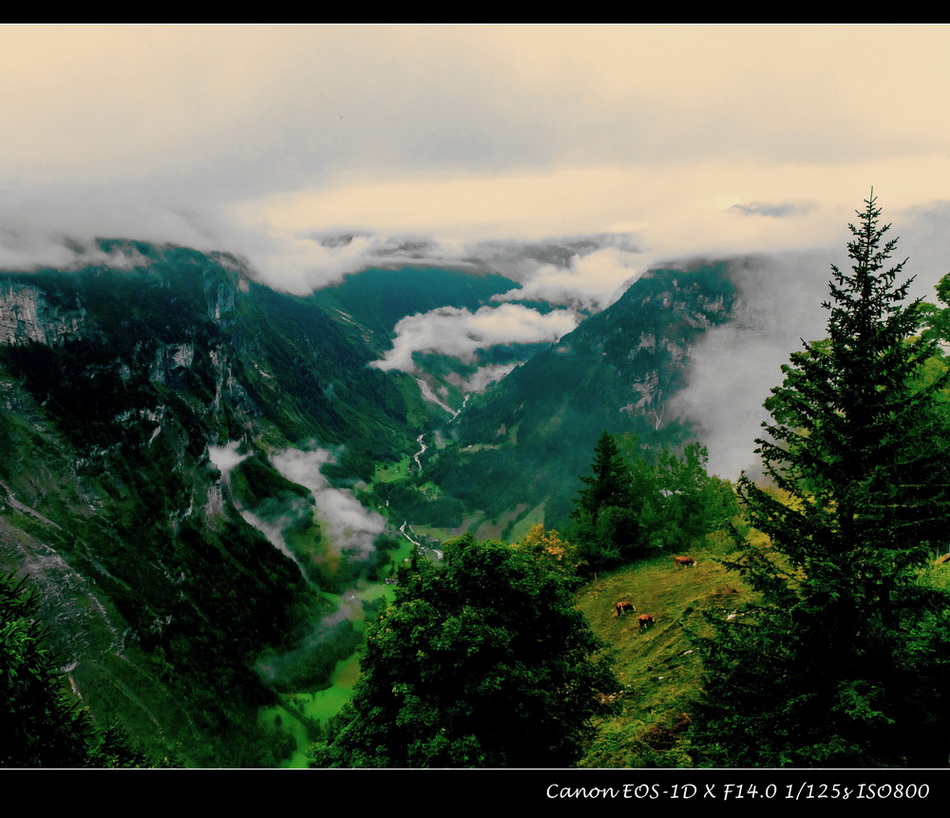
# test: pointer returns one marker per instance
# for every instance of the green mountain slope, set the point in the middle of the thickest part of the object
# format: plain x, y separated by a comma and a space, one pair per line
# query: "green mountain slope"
376, 298
519, 448
183, 452
657, 666
115, 386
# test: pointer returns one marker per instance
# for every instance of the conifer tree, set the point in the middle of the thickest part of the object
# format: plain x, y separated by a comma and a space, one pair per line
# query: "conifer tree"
40, 726
610, 483
603, 523
845, 658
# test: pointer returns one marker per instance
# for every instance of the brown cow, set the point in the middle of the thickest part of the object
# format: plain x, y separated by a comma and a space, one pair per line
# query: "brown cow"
623, 607
645, 621
682, 562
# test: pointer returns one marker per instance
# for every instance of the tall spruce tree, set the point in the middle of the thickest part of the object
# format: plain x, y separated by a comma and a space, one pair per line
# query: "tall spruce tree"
603, 523
845, 658
610, 483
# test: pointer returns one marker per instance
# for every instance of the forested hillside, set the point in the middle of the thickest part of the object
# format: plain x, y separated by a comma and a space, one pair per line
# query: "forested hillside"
121, 389
251, 541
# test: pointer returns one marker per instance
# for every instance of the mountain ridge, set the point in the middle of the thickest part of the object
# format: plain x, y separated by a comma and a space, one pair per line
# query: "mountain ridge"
186, 451
617, 372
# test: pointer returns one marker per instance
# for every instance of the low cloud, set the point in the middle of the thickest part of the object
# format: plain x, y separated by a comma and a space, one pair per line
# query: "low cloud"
460, 333
518, 259
734, 366
774, 211
302, 264
273, 529
346, 524
226, 457
29, 240
589, 282
479, 380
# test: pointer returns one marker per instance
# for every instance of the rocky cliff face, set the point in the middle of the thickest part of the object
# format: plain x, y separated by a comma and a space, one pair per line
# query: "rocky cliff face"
160, 597
26, 316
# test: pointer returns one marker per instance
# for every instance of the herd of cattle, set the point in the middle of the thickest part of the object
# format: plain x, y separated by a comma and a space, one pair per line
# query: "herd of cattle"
646, 620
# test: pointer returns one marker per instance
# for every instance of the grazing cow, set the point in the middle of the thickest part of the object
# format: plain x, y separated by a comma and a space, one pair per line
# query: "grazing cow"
623, 607
682, 562
645, 621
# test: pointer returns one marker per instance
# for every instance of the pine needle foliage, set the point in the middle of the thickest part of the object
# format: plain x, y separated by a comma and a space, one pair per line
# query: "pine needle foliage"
40, 724
845, 661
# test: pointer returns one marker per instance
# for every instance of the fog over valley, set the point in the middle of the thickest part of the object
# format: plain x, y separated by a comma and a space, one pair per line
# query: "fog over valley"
288, 312
568, 158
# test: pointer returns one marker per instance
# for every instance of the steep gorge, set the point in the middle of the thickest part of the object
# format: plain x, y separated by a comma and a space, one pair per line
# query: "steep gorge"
183, 452
159, 596
520, 446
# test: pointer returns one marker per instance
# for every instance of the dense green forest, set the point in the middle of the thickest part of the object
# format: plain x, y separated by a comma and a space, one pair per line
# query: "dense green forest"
174, 501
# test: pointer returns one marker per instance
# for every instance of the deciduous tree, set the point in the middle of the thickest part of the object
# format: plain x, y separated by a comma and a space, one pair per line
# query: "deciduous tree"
480, 662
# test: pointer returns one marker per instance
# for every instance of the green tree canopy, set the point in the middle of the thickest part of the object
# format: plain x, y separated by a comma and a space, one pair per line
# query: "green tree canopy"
480, 662
845, 661
633, 506
609, 485
40, 725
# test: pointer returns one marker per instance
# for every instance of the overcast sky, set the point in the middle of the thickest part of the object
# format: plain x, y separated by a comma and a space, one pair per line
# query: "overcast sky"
570, 157
265, 139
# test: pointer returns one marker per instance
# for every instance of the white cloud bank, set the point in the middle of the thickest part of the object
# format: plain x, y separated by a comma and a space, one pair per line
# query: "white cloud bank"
733, 367
460, 333
592, 281
346, 524
257, 139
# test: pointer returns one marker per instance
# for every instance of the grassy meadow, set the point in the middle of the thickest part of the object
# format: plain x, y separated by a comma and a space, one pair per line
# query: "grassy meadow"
658, 666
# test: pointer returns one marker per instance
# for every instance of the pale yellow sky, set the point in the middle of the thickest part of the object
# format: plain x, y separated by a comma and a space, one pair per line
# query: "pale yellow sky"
256, 138
638, 145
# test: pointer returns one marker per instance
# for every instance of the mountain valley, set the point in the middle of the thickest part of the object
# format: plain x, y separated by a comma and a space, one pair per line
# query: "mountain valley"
211, 480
